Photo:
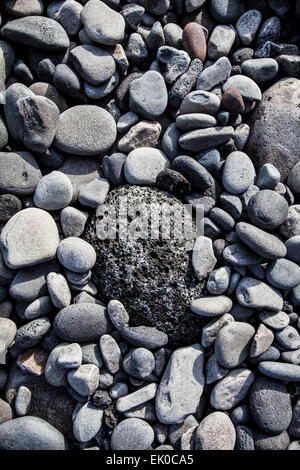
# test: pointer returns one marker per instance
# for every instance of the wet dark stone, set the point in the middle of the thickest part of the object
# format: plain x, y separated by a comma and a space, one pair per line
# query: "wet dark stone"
154, 279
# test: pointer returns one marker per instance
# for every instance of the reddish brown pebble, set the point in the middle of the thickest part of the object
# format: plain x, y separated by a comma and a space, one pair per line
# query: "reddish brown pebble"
194, 41
232, 101
33, 361
5, 411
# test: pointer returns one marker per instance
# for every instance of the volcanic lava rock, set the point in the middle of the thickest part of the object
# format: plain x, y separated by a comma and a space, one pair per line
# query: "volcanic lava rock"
153, 278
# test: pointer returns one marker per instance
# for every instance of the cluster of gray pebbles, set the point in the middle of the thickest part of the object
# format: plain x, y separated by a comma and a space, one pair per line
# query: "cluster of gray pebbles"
144, 344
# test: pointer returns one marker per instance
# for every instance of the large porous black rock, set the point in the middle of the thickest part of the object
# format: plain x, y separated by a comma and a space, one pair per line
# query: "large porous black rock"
153, 278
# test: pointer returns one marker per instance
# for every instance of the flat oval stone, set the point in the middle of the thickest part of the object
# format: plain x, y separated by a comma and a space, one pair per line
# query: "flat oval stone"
143, 165
193, 171
203, 257
260, 70
283, 274
239, 255
200, 102
102, 24
37, 31
263, 243
274, 320
20, 173
55, 374
80, 323
215, 432
30, 433
132, 434
232, 345
85, 130
270, 405
194, 41
95, 65
148, 96
232, 389
145, 336
238, 173
246, 86
256, 294
76, 254
87, 422
30, 237
188, 122
267, 209
280, 371
247, 26
179, 397
211, 306
202, 139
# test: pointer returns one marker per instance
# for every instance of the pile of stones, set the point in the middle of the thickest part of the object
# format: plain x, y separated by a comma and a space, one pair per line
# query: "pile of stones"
135, 344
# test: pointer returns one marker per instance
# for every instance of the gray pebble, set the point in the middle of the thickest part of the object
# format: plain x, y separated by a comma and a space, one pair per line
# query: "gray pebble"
215, 432
148, 95
212, 76
172, 62
210, 330
139, 362
143, 165
93, 193
220, 42
111, 353
246, 86
232, 345
238, 173
200, 102
55, 374
126, 121
136, 49
226, 11
283, 274
211, 306
76, 254
137, 398
118, 314
271, 443
73, 221
102, 24
280, 371
145, 336
112, 166
20, 173
193, 171
87, 422
218, 281
239, 255
247, 26
256, 294
263, 243
70, 356
91, 354
241, 414
213, 370
132, 434
59, 290
244, 438
38, 308
85, 379
23, 401
96, 92
262, 341
260, 70
95, 65
118, 390
203, 257
54, 191
185, 83
269, 30
67, 80
267, 209
289, 338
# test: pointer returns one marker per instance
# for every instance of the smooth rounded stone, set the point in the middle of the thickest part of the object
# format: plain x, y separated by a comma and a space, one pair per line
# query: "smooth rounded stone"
112, 166
273, 123
246, 86
96, 92
172, 62
132, 434
59, 290
37, 31
148, 95
262, 341
145, 336
91, 354
291, 226
20, 173
194, 41
256, 294
118, 390
179, 397
72, 136
213, 370
55, 373
73, 221
173, 182
232, 345
12, 95
215, 432
203, 257
210, 159
232, 101
139, 362
54, 191
283, 274
185, 83
93, 193
82, 322
66, 80
211, 306
267, 442
78, 279
21, 8
143, 165
9, 205
30, 237
289, 65
143, 134
293, 249
8, 330
70, 356
214, 75
111, 353
69, 17
238, 173
241, 136
76, 254
232, 389
263, 243
85, 379
218, 281
280, 371
222, 218
49, 91
270, 405
260, 70
102, 24
136, 399
200, 102
8, 56
87, 422
241, 415
39, 307
276, 321
30, 433
118, 314
220, 42
211, 329
294, 178
267, 209
173, 35
289, 338
95, 65
126, 121
188, 122
23, 400
239, 255
193, 171
269, 31
6, 413
80, 170
247, 26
